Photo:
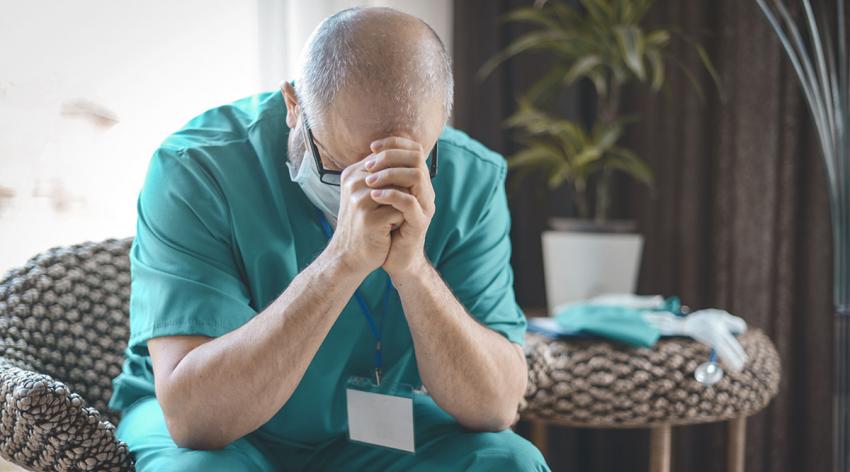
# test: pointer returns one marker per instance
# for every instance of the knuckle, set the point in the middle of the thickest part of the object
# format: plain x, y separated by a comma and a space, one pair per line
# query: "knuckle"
346, 173
381, 175
430, 207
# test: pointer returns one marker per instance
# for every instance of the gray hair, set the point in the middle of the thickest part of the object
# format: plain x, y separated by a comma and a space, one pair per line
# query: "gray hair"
359, 46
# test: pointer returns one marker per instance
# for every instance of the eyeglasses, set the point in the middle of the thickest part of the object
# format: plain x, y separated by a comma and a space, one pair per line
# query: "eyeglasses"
332, 177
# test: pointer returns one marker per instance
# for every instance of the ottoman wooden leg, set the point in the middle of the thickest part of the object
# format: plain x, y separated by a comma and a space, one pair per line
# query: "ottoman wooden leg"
539, 437
659, 448
736, 444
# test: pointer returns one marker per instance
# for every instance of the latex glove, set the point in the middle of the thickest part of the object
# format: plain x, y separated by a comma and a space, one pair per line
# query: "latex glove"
627, 300
712, 327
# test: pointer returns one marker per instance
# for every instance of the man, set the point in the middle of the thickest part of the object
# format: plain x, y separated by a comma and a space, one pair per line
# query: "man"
257, 224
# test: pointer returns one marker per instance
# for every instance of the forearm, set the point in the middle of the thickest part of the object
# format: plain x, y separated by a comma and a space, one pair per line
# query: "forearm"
471, 371
233, 384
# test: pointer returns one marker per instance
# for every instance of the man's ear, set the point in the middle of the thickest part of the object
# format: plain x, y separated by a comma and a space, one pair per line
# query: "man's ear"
291, 101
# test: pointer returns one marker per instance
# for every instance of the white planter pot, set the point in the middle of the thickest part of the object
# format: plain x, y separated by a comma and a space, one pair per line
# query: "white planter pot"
581, 263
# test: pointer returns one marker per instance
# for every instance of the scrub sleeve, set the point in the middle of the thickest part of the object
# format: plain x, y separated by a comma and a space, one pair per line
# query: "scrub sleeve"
477, 268
184, 279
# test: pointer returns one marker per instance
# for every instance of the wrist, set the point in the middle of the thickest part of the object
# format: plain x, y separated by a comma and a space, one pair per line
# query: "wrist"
342, 264
415, 270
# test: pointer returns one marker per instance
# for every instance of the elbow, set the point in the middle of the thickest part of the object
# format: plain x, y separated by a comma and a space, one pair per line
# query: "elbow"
192, 435
502, 413
190, 430
502, 420
199, 443
503, 409
505, 412
492, 423
507, 416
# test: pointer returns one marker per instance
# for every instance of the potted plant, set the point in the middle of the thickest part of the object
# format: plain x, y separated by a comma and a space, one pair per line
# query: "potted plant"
606, 43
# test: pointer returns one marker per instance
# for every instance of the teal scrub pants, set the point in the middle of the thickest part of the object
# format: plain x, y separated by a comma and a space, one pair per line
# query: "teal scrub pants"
441, 444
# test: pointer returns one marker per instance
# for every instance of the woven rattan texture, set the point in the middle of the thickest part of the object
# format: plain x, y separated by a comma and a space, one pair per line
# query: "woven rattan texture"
594, 383
63, 330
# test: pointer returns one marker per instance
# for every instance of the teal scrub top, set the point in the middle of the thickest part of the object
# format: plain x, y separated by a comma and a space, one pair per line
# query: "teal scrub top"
222, 230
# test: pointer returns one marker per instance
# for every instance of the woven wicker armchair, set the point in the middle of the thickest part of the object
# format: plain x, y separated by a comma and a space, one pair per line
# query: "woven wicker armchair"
64, 327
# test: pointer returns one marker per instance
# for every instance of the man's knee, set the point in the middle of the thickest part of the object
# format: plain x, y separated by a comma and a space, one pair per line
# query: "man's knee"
508, 451
505, 450
183, 459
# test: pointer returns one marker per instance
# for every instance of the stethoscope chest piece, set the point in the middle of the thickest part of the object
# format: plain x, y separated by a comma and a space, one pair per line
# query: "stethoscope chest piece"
709, 373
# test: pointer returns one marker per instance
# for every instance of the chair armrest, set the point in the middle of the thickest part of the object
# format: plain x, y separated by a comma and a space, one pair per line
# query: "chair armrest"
45, 426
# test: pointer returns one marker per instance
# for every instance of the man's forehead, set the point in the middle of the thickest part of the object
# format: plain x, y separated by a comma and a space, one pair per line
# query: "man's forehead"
352, 127
349, 135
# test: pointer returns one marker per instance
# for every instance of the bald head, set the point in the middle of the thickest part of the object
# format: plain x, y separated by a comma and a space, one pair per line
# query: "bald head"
386, 68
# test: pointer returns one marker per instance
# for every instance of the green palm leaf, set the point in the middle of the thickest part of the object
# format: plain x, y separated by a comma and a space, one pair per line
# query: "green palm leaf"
553, 39
559, 175
549, 82
534, 156
582, 68
657, 64
532, 15
630, 39
599, 10
627, 161
606, 136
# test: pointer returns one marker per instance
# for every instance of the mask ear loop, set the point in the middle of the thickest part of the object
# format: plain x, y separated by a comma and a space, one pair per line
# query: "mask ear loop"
296, 172
304, 135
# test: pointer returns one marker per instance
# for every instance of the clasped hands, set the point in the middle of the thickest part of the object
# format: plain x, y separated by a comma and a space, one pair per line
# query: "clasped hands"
386, 205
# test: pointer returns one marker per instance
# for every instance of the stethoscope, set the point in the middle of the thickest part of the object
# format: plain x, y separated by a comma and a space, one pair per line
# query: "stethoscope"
709, 372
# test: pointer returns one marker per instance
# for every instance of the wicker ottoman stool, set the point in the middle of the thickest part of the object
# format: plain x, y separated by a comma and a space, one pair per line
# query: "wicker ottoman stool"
593, 383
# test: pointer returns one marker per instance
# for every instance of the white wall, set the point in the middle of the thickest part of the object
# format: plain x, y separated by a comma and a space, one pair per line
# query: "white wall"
89, 88
151, 64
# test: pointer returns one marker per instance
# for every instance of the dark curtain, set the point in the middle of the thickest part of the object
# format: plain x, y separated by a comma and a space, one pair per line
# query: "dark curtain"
739, 218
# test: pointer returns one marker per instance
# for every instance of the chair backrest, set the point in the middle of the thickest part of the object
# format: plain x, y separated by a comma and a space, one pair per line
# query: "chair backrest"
65, 313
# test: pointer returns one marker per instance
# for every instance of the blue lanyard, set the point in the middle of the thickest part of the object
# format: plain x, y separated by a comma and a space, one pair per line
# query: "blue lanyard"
377, 329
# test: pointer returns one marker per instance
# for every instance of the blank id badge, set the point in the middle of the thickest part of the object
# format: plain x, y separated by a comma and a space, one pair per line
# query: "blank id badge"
380, 415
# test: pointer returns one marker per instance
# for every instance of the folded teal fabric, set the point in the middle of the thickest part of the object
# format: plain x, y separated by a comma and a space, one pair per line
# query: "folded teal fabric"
619, 323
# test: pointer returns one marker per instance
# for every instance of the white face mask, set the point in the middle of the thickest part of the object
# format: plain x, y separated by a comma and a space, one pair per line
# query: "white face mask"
325, 197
